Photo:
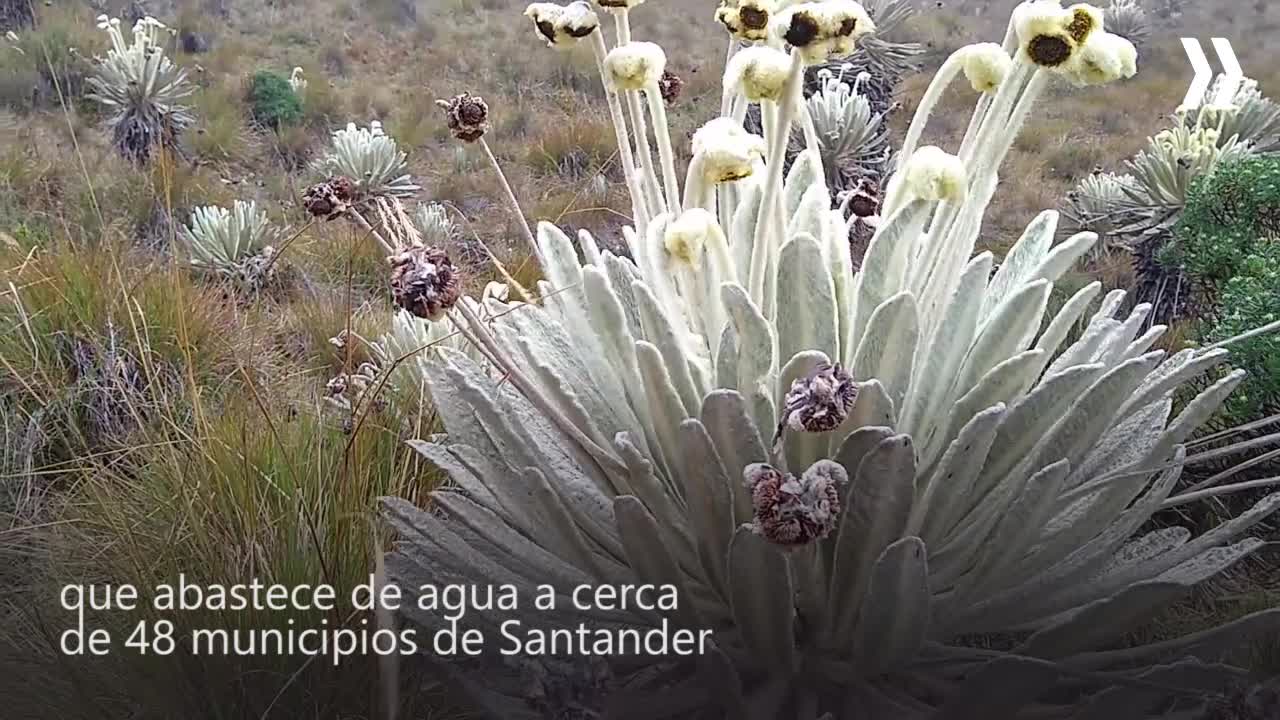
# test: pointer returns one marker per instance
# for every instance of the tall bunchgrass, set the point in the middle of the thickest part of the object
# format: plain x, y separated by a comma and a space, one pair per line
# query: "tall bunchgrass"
153, 429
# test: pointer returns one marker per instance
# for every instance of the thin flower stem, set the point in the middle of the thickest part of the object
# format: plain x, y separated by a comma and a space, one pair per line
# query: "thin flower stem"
941, 81
1031, 93
811, 139
639, 205
472, 327
363, 223
662, 131
650, 180
653, 193
761, 254
512, 202
622, 25
727, 95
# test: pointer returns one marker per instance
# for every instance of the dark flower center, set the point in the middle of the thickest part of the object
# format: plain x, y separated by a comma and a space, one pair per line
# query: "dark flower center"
1081, 25
753, 18
547, 29
802, 31
1049, 50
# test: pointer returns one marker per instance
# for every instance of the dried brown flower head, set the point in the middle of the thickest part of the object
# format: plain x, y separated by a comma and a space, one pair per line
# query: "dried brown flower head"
425, 282
330, 199
865, 199
791, 511
820, 401
467, 115
670, 86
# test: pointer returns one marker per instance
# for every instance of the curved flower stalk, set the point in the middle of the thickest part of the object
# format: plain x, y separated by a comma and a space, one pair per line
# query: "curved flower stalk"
844, 474
234, 244
371, 159
143, 89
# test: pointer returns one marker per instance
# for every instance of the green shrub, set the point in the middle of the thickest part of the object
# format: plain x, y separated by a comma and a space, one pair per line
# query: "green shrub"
1250, 300
272, 100
1228, 241
1229, 215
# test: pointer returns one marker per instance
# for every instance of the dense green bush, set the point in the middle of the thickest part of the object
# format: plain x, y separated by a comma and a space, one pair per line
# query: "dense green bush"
272, 100
1229, 241
1249, 300
1230, 214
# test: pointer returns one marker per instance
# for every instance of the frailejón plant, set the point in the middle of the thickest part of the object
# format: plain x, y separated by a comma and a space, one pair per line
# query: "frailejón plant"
233, 244
142, 88
1129, 20
845, 474
371, 159
853, 140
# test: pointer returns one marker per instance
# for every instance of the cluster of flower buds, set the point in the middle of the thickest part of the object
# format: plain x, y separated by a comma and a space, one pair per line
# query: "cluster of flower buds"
1072, 42
467, 116
820, 31
331, 198
562, 26
793, 512
425, 282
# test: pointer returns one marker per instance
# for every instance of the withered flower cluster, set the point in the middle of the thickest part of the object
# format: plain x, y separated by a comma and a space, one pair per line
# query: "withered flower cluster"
467, 115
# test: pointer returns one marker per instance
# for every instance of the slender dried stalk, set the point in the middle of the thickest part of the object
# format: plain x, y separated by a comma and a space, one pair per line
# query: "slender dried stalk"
512, 202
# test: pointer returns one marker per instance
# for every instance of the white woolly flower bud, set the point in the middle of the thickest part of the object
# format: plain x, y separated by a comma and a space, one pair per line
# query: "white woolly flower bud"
726, 150
747, 19
1104, 58
820, 31
1039, 17
562, 26
934, 174
687, 235
759, 73
636, 65
1050, 35
986, 65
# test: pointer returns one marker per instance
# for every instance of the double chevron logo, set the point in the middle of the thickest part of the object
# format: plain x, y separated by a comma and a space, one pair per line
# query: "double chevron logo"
1232, 75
